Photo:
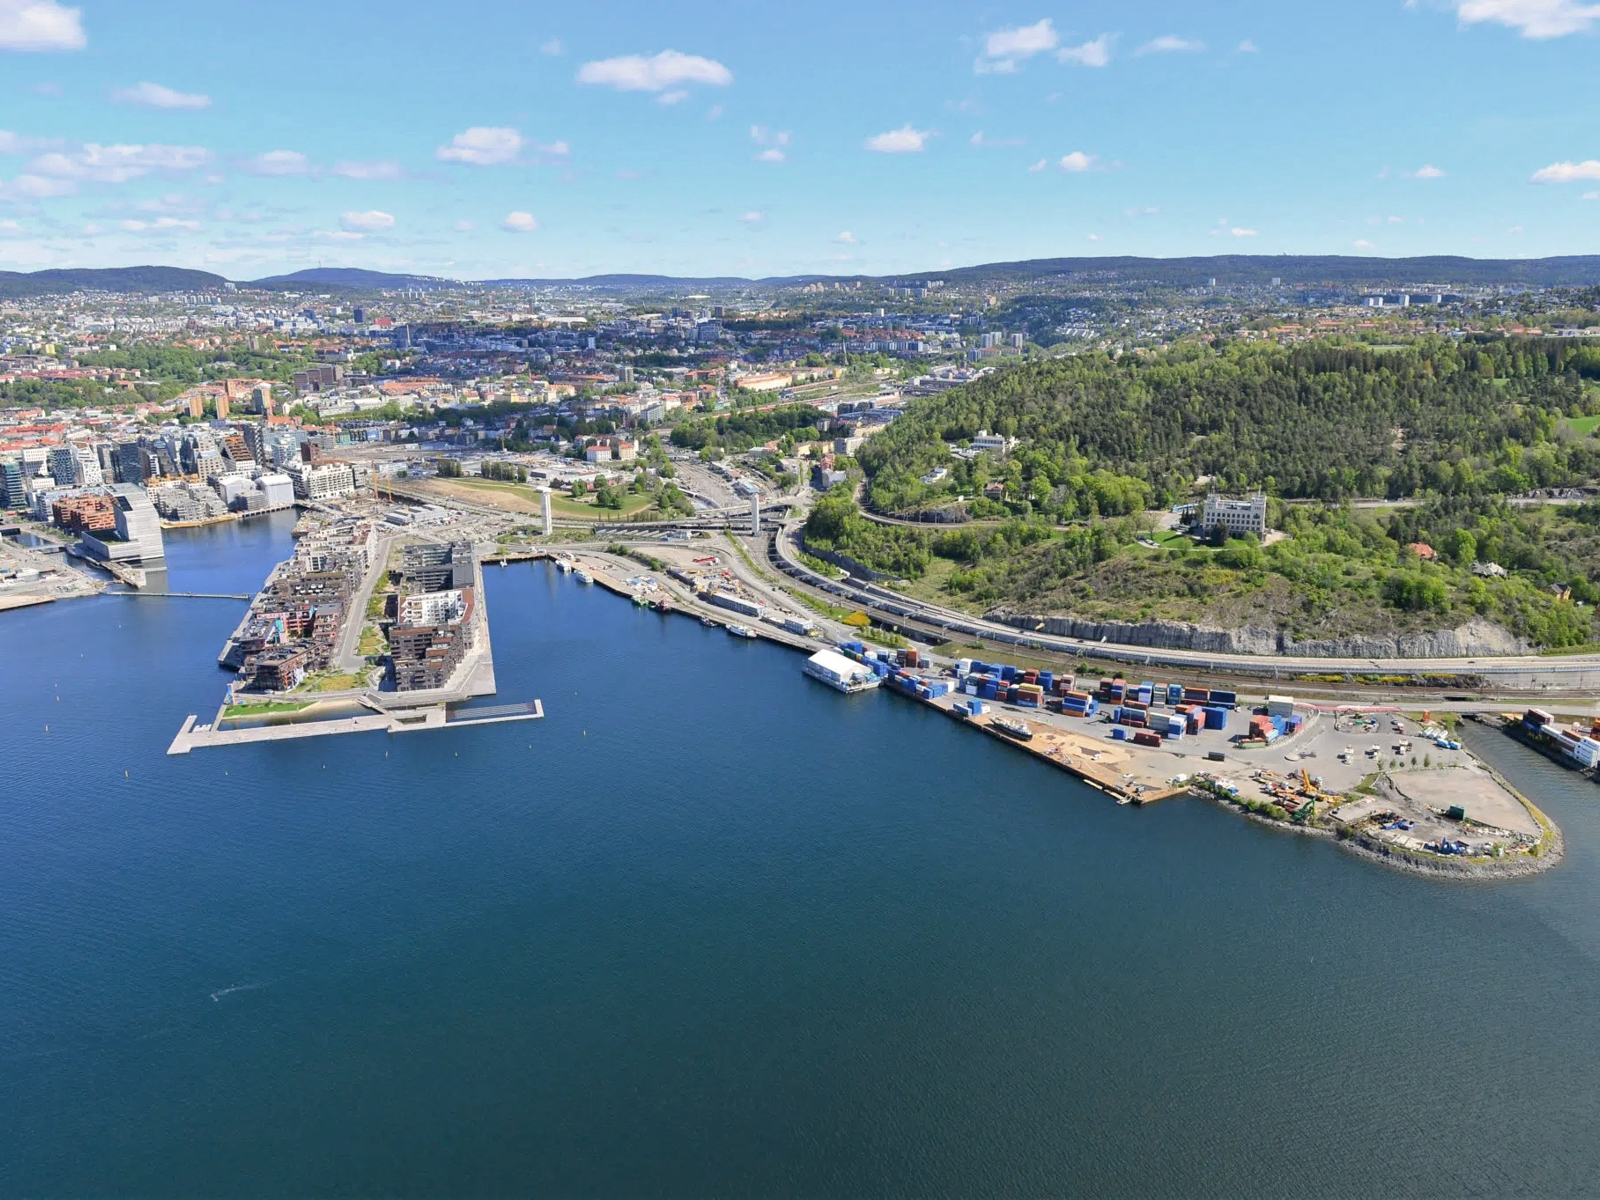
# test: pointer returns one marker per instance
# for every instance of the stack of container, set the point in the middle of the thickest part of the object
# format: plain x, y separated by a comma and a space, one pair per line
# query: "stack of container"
1079, 704
1174, 693
1196, 695
1223, 699
1030, 695
1216, 718
1145, 738
1175, 726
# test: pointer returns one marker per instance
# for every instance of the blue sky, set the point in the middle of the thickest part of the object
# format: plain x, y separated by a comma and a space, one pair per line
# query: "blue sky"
486, 138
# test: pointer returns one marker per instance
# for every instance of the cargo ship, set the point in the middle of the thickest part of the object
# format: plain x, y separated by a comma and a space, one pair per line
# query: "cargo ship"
1020, 730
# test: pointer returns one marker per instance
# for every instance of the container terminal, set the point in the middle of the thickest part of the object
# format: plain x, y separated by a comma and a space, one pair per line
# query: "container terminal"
1397, 788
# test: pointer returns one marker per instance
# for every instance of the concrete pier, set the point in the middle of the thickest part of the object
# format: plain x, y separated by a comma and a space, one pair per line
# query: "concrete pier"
199, 737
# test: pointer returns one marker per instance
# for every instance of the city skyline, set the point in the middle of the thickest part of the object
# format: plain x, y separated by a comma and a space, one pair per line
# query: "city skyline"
728, 139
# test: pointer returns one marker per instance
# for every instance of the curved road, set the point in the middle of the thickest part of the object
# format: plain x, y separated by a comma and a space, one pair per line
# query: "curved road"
1526, 672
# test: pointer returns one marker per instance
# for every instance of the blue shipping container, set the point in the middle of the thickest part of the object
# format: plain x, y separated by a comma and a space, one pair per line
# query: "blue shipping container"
1174, 693
1119, 733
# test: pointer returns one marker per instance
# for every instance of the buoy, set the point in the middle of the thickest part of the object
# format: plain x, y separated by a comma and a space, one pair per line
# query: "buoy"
124, 774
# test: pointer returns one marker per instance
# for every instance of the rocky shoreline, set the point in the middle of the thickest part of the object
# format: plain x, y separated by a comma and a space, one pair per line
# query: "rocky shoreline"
1552, 850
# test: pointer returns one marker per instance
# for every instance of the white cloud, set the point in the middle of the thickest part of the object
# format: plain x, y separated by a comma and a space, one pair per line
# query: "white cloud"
676, 96
1249, 47
552, 47
1363, 244
1077, 161
1171, 43
92, 163
751, 218
279, 163
38, 187
154, 95
657, 73
339, 235
1038, 166
366, 222
160, 225
10, 229
1091, 54
1537, 19
1590, 196
904, 140
519, 222
714, 113
773, 140
1094, 237
1427, 171
372, 170
1568, 172
482, 146
1238, 231
1004, 48
464, 226
978, 139
557, 149
848, 238
11, 143
40, 25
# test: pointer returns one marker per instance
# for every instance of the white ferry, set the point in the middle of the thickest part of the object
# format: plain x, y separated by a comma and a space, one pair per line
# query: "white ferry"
840, 673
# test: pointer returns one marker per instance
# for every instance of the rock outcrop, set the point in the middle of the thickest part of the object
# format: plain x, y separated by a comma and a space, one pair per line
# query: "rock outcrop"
1476, 639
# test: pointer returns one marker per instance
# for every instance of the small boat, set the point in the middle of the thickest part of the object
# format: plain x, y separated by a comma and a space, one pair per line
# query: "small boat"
741, 631
662, 605
582, 576
708, 622
563, 565
1020, 730
640, 600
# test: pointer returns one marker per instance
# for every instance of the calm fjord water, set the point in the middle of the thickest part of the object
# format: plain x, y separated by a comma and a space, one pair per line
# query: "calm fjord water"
710, 929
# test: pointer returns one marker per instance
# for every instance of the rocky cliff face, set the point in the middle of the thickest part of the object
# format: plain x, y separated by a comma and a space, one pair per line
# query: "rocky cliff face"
1476, 639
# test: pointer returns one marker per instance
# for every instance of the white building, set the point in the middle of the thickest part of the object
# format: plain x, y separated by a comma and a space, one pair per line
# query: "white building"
327, 481
433, 608
1235, 516
278, 490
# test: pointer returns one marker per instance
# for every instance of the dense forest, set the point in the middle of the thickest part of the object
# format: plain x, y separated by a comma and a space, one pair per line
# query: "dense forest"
1453, 431
1323, 422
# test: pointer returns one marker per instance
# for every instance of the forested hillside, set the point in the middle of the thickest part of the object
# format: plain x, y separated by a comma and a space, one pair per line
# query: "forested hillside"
1453, 432
1321, 421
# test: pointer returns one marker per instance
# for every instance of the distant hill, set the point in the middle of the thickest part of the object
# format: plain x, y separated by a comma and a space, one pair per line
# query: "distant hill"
350, 279
1296, 269
20, 285
1227, 269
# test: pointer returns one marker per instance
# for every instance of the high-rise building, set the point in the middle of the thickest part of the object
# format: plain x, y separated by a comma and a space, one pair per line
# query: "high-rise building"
86, 470
13, 484
63, 465
197, 406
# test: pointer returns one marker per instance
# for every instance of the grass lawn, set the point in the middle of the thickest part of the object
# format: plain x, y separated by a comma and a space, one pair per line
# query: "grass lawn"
332, 683
1583, 426
262, 710
562, 506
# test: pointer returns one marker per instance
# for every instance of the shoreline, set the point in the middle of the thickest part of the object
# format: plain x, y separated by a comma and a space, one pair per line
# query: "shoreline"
1359, 845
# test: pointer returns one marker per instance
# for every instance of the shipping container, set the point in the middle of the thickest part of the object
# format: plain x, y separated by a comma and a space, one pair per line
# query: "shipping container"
1174, 693
1118, 733
1216, 718
1146, 738
1225, 698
